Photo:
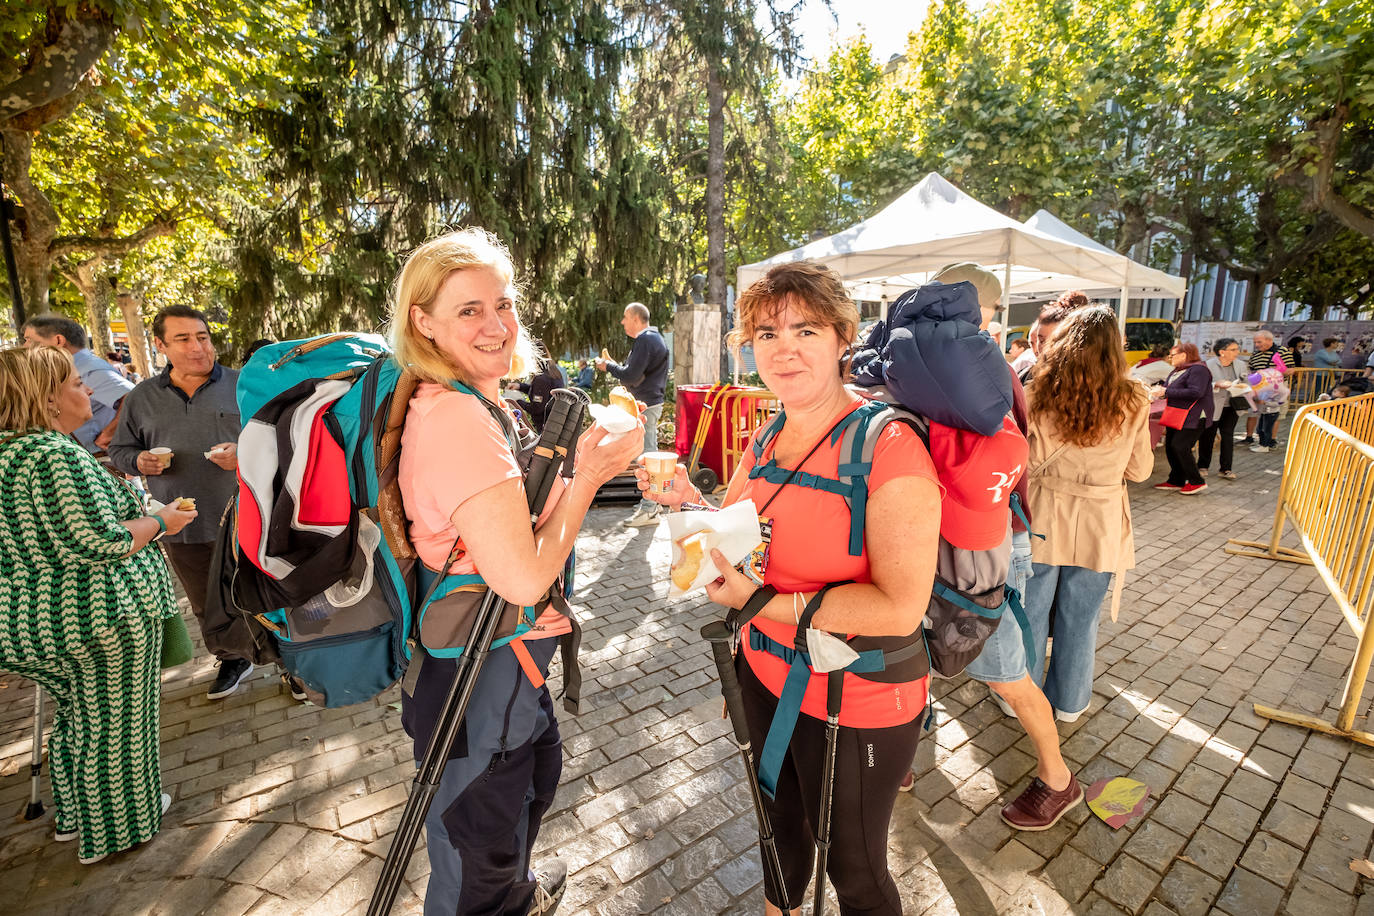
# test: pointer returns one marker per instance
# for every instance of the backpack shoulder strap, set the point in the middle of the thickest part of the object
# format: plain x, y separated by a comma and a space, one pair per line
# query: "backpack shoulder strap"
858, 442
768, 434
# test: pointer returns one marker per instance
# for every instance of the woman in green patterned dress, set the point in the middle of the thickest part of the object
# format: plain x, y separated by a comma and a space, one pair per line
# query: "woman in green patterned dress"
82, 597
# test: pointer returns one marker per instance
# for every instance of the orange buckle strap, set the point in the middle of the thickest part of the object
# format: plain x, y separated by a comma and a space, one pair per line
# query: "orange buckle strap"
522, 655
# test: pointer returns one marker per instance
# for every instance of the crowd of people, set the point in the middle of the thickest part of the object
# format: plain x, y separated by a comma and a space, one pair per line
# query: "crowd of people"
87, 593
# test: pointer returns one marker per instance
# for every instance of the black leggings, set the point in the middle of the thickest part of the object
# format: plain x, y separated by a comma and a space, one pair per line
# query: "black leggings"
870, 764
1226, 426
1178, 448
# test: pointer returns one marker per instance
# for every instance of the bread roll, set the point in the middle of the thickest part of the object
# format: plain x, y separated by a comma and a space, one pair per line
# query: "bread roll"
186, 503
621, 397
687, 568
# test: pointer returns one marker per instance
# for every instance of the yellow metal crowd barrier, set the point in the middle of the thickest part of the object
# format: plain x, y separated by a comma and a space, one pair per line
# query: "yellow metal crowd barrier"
1306, 385
1327, 493
741, 413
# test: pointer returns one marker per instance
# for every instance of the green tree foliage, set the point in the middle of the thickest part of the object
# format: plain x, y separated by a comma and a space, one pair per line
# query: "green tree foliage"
416, 115
852, 140
1241, 131
715, 61
1250, 150
136, 143
1334, 281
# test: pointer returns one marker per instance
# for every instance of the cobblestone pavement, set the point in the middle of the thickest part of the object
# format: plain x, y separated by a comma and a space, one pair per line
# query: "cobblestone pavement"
286, 808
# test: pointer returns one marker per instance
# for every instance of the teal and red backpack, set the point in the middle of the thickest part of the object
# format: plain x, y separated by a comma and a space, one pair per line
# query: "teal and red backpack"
324, 561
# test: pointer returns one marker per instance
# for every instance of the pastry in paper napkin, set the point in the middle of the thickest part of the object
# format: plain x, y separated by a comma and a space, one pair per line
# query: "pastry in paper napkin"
616, 422
620, 417
734, 531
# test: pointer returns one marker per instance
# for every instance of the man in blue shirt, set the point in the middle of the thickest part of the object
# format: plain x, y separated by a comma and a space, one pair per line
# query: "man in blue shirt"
108, 385
645, 373
1329, 356
586, 375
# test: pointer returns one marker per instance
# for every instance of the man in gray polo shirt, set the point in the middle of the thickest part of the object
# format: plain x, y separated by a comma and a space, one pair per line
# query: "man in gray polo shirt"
189, 408
108, 385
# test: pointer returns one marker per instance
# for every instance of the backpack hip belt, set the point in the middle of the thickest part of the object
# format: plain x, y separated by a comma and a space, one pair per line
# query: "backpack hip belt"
872, 660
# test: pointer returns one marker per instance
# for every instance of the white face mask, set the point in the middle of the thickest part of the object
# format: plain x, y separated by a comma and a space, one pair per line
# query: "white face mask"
828, 653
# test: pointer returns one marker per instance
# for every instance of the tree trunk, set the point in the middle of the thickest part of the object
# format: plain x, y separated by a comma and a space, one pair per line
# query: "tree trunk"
1254, 298
715, 198
35, 224
131, 309
98, 291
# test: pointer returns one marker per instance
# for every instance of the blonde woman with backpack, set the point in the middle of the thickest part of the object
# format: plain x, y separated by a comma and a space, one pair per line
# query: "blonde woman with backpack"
455, 324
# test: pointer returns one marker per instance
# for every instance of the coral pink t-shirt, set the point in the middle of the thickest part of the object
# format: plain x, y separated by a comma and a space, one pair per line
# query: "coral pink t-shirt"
451, 450
810, 547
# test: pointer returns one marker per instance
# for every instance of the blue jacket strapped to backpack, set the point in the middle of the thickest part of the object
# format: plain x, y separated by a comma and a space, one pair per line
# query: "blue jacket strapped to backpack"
931, 356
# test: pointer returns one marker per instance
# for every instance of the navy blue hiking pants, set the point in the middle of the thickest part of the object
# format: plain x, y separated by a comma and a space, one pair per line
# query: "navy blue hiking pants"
496, 787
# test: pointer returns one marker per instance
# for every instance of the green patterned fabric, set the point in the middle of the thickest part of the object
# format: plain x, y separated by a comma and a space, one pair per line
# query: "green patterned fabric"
103, 748
63, 574
85, 622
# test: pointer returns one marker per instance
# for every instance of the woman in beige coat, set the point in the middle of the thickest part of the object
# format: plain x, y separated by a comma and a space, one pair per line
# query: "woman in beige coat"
1089, 434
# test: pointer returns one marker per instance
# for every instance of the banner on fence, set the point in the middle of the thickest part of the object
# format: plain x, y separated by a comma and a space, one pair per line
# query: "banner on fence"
1357, 336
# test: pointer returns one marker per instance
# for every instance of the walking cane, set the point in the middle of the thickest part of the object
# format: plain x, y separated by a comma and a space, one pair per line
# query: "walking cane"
721, 637
834, 687
561, 430
35, 808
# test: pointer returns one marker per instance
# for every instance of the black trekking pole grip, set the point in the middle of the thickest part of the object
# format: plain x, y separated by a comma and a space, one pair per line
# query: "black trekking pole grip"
556, 443
718, 634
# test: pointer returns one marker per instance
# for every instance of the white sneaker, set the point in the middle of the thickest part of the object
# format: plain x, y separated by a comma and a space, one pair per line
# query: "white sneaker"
641, 519
1261, 449
1068, 716
1002, 704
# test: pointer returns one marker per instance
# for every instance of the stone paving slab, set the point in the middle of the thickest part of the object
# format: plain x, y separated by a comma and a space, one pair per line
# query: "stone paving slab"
280, 807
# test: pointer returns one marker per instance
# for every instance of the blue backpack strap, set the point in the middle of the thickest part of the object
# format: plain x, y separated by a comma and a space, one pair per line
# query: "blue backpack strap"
852, 484
1018, 611
857, 446
1020, 513
768, 433
1011, 600
789, 700
959, 601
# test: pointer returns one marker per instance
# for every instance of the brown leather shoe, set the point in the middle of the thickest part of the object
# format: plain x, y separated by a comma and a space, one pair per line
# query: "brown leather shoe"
1040, 807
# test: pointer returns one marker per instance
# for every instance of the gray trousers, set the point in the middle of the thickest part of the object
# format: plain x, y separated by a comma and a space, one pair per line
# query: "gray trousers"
651, 415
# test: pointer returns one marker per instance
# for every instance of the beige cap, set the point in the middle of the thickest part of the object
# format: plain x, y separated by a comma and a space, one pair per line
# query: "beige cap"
984, 281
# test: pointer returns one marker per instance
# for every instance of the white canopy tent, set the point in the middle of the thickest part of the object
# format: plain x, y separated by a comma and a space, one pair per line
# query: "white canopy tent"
935, 224
1134, 280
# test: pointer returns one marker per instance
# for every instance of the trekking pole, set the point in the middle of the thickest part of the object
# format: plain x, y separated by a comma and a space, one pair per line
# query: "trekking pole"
721, 637
834, 685
35, 808
560, 433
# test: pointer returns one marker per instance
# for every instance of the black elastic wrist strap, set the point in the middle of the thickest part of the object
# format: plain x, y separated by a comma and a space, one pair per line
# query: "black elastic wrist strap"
738, 618
812, 606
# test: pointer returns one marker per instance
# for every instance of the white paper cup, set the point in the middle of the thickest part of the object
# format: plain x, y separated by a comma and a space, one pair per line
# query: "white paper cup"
662, 468
163, 455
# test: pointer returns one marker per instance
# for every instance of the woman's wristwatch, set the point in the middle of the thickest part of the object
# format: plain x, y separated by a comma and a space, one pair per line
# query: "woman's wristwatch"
161, 527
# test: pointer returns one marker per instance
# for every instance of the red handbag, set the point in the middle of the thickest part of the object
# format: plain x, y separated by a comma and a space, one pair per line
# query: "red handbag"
1175, 417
